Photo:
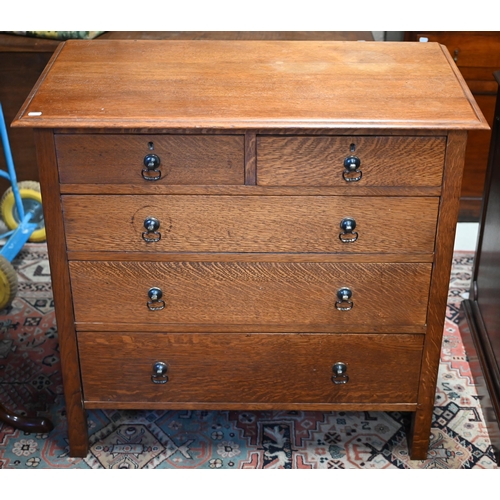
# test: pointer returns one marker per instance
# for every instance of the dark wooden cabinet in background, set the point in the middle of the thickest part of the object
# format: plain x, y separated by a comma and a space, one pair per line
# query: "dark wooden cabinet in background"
477, 55
480, 324
21, 62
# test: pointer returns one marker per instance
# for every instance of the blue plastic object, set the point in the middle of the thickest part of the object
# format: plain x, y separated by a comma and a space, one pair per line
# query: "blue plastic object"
19, 236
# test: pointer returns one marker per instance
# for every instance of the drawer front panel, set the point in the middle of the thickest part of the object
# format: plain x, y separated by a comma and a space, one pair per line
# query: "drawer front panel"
119, 159
319, 161
252, 368
250, 224
242, 293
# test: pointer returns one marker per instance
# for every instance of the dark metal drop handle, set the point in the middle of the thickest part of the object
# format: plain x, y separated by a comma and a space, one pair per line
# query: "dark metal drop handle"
351, 171
151, 172
159, 373
155, 304
339, 373
151, 235
344, 304
348, 235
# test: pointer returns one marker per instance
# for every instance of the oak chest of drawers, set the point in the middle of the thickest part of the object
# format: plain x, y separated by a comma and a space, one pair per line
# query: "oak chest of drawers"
250, 225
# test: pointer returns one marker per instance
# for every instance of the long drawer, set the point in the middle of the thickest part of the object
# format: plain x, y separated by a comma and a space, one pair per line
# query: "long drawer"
242, 293
319, 161
252, 368
250, 224
122, 159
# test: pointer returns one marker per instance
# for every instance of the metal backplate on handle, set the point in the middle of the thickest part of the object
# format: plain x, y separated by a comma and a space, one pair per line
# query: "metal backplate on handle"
348, 235
351, 171
151, 235
152, 164
343, 303
339, 373
155, 303
159, 375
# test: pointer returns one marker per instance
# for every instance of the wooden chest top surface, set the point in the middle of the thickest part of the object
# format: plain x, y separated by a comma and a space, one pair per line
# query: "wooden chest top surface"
250, 84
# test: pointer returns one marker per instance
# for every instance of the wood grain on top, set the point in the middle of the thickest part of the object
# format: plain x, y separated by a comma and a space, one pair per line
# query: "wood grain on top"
252, 84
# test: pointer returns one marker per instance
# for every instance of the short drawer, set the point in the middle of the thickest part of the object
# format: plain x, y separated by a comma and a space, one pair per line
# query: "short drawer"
121, 159
319, 161
249, 368
243, 293
250, 224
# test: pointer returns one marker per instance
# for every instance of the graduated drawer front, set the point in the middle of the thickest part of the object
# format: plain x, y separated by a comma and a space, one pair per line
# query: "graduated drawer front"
119, 159
243, 293
249, 224
249, 368
319, 161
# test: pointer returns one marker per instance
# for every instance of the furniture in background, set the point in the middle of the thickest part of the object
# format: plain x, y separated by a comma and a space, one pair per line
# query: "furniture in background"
477, 55
24, 423
22, 60
480, 322
224, 231
23, 213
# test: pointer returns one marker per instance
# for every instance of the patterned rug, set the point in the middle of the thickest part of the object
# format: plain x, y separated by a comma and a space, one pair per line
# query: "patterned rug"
30, 380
